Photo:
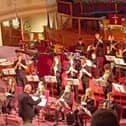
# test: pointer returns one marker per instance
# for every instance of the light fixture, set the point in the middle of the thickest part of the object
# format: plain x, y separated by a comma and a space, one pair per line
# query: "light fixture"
15, 21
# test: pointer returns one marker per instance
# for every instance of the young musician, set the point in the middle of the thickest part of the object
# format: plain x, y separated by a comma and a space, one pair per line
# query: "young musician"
124, 50
64, 102
87, 106
80, 47
84, 74
88, 100
110, 102
108, 78
72, 73
8, 105
57, 71
50, 48
41, 90
99, 49
11, 86
111, 45
20, 66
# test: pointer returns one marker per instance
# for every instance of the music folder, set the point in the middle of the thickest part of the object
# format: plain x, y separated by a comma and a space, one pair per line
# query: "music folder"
72, 81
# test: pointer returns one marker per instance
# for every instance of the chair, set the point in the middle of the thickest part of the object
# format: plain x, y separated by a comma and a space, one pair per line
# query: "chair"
12, 120
119, 111
86, 119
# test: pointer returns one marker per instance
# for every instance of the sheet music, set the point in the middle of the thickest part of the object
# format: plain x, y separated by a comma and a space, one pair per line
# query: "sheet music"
50, 79
119, 88
73, 81
109, 57
119, 61
89, 63
34, 78
99, 82
8, 71
7, 63
3, 60
42, 103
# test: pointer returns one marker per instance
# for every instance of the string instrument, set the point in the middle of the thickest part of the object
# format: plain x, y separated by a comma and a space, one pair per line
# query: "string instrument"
111, 47
119, 51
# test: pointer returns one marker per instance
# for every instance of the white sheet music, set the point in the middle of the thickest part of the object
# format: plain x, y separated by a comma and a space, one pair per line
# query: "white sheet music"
99, 82
109, 57
50, 79
33, 78
42, 103
3, 60
8, 71
119, 61
73, 81
119, 88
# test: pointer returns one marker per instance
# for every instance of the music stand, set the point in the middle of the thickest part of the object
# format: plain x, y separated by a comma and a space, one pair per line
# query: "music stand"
99, 83
119, 88
72, 81
8, 71
120, 64
52, 80
109, 58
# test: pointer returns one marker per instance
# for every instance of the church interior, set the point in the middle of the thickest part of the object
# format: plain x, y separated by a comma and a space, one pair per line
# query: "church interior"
72, 53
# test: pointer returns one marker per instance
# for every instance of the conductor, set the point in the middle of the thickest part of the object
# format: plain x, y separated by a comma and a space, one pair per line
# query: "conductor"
26, 104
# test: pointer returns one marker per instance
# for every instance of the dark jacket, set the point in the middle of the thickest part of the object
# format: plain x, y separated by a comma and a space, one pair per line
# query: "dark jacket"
26, 104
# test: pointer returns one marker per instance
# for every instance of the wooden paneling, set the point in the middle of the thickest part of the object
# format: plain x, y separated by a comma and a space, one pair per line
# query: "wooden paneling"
11, 36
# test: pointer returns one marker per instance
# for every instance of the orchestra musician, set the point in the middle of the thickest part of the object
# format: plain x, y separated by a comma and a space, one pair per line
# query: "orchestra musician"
111, 45
124, 49
20, 67
108, 78
99, 49
110, 103
8, 105
11, 86
93, 60
50, 47
87, 106
80, 47
41, 90
57, 71
72, 73
84, 74
64, 102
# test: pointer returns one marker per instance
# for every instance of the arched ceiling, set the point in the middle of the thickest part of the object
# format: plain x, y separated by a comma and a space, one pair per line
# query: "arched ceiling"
12, 8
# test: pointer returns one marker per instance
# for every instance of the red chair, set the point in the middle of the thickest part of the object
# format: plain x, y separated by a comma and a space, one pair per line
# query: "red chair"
12, 120
119, 111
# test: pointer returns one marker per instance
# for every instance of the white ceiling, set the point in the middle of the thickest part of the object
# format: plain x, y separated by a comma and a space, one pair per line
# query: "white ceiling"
9, 8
